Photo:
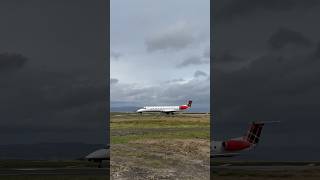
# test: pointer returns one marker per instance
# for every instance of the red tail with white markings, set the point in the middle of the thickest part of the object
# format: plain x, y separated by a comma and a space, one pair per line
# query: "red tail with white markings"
233, 147
254, 132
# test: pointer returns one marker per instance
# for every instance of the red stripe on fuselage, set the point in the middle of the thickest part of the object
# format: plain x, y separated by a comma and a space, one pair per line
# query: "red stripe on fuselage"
235, 145
183, 107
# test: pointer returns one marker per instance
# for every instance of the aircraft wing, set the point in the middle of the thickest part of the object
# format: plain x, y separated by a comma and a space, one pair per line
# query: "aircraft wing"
169, 110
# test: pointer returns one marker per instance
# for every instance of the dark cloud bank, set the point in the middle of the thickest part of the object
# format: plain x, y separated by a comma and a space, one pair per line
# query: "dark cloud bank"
53, 72
12, 61
174, 38
278, 78
232, 10
193, 60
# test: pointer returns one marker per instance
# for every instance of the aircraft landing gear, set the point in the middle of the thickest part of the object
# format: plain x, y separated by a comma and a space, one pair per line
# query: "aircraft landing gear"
169, 113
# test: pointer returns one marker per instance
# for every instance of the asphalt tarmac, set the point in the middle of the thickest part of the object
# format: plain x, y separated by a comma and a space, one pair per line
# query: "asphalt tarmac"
266, 167
55, 171
104, 171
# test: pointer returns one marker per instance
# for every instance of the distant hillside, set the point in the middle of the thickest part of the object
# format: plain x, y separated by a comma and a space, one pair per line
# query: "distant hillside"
47, 151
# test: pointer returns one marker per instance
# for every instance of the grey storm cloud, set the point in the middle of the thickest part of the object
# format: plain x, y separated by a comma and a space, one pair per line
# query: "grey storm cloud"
284, 37
228, 61
167, 36
317, 51
42, 100
113, 80
233, 9
131, 93
199, 74
115, 55
280, 78
175, 80
58, 82
227, 57
12, 61
182, 92
271, 87
193, 60
167, 93
177, 37
206, 53
62, 93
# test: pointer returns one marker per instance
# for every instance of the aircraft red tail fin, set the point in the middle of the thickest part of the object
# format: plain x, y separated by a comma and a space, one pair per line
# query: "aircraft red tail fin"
189, 103
254, 132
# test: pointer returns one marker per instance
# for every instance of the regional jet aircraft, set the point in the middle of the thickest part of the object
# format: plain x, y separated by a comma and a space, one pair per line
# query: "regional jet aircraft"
165, 109
99, 156
233, 147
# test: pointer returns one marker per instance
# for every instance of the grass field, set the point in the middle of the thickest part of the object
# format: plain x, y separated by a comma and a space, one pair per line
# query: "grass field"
165, 147
154, 146
177, 147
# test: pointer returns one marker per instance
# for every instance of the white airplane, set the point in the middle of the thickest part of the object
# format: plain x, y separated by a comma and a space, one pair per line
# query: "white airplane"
165, 109
233, 147
99, 156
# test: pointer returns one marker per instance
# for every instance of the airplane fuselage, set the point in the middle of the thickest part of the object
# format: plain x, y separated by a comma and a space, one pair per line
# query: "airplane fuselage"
165, 109
229, 148
162, 108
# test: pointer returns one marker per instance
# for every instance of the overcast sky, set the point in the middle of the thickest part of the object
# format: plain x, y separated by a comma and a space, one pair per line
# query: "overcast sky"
53, 71
160, 52
266, 67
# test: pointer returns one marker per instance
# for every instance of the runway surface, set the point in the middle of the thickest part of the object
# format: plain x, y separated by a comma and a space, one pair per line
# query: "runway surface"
55, 171
265, 168
104, 171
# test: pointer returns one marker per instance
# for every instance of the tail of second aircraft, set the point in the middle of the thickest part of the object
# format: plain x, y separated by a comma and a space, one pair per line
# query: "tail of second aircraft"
232, 147
245, 142
254, 133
